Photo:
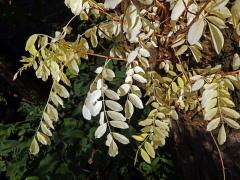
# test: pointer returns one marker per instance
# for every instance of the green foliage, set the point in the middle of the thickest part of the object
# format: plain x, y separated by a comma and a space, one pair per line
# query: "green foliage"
74, 153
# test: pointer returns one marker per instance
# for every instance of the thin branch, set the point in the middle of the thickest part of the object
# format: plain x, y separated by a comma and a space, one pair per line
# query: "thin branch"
220, 156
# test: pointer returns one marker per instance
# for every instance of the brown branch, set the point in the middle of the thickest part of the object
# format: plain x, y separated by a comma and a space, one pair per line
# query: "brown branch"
220, 156
195, 18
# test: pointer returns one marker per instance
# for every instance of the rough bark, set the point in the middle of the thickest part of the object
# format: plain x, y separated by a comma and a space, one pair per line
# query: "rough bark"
196, 156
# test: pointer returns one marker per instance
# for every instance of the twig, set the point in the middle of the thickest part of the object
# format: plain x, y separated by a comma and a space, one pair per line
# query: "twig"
220, 156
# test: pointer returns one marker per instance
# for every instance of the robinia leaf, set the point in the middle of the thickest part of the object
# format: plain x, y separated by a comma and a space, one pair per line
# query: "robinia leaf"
113, 149
145, 156
120, 138
111, 4
198, 85
137, 102
119, 124
217, 37
146, 2
231, 123
236, 61
178, 9
101, 130
132, 56
34, 147
213, 124
230, 113
86, 113
116, 116
129, 109
196, 31
124, 89
210, 114
111, 94
222, 135
42, 138
113, 105
150, 150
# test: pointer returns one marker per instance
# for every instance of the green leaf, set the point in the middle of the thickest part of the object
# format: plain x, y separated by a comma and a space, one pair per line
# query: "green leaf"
213, 124
217, 38
30, 44
196, 53
182, 50
222, 135
180, 82
145, 156
150, 150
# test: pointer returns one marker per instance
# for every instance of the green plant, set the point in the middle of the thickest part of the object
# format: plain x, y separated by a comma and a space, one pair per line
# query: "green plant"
161, 47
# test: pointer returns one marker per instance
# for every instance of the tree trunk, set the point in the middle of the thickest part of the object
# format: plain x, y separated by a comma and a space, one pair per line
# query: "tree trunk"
195, 154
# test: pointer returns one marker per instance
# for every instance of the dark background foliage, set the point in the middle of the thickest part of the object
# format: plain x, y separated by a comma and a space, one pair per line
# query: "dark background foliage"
74, 154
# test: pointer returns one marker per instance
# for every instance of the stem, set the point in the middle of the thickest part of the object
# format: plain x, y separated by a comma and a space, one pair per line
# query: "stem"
49, 97
220, 156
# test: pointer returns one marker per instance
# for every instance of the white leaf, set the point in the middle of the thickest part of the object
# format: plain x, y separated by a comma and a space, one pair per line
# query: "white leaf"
137, 102
94, 96
34, 147
96, 108
45, 130
120, 138
129, 109
209, 115
116, 116
198, 85
178, 9
86, 113
113, 105
113, 149
111, 4
100, 131
196, 31
213, 124
144, 52
236, 61
99, 70
139, 78
146, 2
41, 138
119, 124
196, 77
75, 5
138, 69
132, 56
111, 94
123, 89
109, 139
222, 135
217, 37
